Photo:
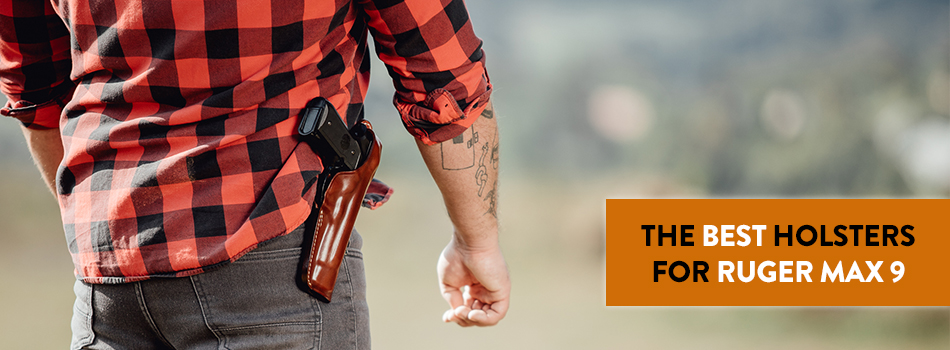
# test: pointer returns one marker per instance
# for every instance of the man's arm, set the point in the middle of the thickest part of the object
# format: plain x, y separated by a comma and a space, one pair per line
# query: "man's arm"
35, 63
47, 149
466, 171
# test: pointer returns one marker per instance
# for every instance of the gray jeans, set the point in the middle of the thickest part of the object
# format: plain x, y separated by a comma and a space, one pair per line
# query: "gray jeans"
252, 303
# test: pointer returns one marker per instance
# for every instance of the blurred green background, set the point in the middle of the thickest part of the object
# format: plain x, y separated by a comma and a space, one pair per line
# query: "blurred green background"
617, 99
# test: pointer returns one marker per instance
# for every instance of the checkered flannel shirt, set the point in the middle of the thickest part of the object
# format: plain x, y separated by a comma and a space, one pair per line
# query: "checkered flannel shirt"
178, 117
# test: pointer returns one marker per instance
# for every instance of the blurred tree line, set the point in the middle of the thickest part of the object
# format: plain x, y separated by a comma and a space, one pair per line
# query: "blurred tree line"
840, 72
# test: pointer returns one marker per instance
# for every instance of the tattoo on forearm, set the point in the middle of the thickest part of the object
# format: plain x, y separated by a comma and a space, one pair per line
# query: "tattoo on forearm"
492, 200
494, 153
466, 142
489, 156
489, 112
481, 176
459, 153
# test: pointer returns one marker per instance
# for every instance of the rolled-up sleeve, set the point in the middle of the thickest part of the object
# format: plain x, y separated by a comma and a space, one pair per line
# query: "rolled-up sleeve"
436, 62
34, 63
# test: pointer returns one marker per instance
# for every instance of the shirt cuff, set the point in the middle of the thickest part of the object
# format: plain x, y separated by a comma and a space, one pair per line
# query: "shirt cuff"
377, 194
440, 118
43, 116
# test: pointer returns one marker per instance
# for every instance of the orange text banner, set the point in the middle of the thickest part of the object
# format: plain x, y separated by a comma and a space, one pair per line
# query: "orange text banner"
778, 252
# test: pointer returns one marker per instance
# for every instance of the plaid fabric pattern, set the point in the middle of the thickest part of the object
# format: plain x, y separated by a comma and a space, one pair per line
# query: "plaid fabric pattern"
34, 62
179, 117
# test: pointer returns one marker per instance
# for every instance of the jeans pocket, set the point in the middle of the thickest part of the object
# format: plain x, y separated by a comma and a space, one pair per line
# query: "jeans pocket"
346, 318
81, 323
357, 278
254, 303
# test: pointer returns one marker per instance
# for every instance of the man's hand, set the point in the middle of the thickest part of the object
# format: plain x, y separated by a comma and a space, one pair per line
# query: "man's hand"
475, 284
473, 276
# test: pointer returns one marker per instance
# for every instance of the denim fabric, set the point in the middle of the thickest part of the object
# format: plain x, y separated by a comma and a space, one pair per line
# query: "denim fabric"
252, 303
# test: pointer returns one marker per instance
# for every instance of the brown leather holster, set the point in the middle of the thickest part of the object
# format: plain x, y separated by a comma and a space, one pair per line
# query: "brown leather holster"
342, 198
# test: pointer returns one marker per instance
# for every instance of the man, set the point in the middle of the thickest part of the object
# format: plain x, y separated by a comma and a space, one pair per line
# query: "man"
166, 130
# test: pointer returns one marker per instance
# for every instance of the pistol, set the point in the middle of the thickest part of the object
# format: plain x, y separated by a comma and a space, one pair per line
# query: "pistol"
350, 158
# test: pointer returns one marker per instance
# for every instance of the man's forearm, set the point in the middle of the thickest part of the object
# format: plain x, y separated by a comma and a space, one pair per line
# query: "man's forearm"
47, 149
473, 275
466, 171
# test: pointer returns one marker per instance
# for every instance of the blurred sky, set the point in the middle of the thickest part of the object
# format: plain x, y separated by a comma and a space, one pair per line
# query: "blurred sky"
606, 99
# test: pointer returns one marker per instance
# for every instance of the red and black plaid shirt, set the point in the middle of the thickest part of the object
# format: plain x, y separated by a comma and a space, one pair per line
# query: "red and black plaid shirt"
178, 117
